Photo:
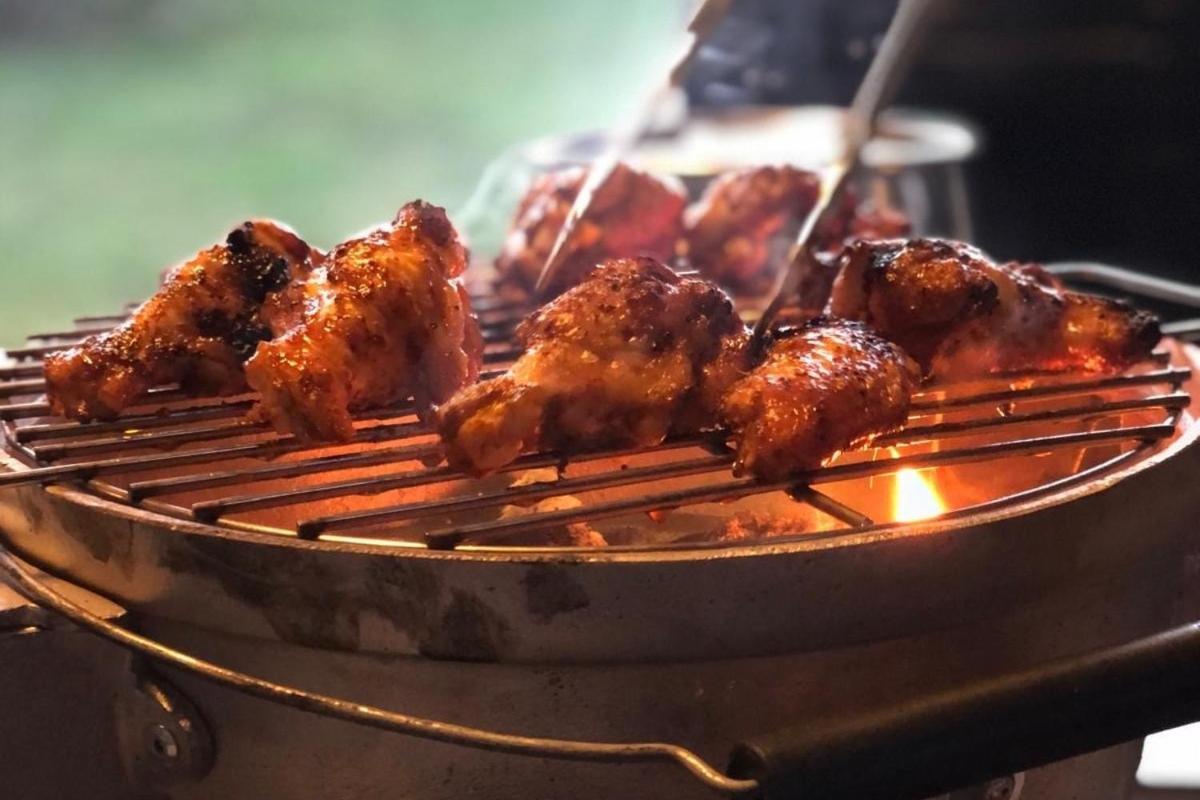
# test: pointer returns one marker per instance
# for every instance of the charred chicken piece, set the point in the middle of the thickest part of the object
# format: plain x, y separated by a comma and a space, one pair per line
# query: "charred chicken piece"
197, 330
822, 387
960, 315
741, 227
633, 214
613, 362
383, 319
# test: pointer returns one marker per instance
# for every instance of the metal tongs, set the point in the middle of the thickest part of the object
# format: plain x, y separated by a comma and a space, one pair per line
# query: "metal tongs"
704, 21
877, 88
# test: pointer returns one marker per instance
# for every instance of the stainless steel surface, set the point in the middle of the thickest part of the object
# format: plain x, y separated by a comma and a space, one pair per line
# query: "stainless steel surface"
166, 742
879, 85
709, 14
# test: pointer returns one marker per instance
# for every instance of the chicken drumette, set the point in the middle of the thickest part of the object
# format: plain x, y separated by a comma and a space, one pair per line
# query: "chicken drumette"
631, 354
633, 214
736, 233
383, 319
197, 330
960, 315
820, 388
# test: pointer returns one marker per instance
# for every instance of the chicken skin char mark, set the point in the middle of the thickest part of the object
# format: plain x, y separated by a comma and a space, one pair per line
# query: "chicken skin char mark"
383, 319
822, 387
197, 330
632, 214
961, 316
613, 362
737, 233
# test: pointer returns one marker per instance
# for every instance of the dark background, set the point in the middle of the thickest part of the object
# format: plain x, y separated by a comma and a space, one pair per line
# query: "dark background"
1088, 109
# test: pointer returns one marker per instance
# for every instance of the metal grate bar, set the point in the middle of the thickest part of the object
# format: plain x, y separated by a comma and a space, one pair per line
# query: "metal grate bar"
159, 394
942, 430
493, 319
93, 468
309, 529
834, 508
17, 387
20, 371
1172, 375
212, 509
86, 470
151, 439
492, 354
141, 490
109, 318
376, 483
61, 430
1186, 329
169, 415
37, 351
75, 334
169, 438
485, 532
238, 428
90, 469
719, 461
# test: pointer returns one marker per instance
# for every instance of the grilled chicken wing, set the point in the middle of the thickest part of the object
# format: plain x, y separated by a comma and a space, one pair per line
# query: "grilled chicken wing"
197, 330
383, 319
960, 315
736, 231
820, 388
615, 361
633, 214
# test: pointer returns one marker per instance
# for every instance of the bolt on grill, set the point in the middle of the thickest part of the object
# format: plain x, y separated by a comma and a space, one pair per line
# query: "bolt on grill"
204, 459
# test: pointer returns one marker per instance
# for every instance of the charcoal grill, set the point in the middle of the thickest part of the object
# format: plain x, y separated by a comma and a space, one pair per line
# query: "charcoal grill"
369, 570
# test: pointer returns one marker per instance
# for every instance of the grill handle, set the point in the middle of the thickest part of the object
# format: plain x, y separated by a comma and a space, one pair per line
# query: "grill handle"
986, 730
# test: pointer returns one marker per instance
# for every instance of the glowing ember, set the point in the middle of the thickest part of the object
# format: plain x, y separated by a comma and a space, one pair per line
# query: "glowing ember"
915, 498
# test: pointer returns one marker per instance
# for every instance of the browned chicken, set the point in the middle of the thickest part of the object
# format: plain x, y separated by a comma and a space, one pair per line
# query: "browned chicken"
960, 315
197, 330
383, 319
615, 361
739, 231
633, 214
822, 387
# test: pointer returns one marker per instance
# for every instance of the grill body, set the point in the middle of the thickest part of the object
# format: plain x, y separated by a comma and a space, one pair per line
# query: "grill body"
701, 646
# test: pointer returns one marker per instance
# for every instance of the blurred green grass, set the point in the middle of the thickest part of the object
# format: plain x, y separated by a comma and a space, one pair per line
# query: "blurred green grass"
124, 146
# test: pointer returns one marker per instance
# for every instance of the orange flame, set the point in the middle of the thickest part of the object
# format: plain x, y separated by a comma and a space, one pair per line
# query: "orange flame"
915, 498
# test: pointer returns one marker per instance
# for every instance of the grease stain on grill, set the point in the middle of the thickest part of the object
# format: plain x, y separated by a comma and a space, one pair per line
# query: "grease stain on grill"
309, 602
405, 594
300, 598
550, 590
107, 540
469, 630
31, 509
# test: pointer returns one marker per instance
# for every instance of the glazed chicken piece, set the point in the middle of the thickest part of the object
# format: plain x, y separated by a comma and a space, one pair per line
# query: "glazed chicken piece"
739, 232
822, 387
198, 329
633, 214
383, 319
613, 362
960, 315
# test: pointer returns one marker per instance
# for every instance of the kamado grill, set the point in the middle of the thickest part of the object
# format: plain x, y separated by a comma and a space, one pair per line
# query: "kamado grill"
950, 605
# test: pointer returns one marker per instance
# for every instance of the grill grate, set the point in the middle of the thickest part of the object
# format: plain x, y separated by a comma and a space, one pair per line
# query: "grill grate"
205, 459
